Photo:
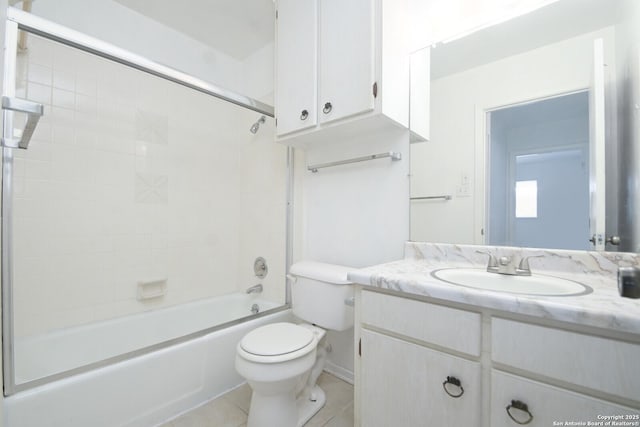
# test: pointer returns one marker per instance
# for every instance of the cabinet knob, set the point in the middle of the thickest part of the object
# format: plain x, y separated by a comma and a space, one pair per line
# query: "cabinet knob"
304, 114
521, 406
453, 381
327, 108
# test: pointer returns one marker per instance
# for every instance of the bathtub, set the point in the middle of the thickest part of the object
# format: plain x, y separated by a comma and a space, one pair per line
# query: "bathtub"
143, 390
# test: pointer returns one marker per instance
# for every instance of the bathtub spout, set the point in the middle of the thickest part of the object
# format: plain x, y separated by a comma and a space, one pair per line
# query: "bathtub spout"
256, 289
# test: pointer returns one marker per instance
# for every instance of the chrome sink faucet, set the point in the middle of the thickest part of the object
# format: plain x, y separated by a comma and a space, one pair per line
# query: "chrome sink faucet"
507, 265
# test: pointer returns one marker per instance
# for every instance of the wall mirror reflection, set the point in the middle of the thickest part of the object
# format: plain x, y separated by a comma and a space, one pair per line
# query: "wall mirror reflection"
532, 139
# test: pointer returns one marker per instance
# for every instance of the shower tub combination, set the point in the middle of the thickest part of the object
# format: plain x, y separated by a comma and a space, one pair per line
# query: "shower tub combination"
145, 387
135, 370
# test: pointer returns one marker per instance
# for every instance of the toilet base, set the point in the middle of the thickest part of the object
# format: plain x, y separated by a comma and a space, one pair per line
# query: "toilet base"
307, 408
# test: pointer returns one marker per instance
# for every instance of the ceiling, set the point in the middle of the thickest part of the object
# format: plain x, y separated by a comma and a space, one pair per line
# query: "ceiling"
235, 27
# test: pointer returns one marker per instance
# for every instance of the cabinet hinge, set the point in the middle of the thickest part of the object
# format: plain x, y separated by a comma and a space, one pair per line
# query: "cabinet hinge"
375, 89
276, 14
276, 122
360, 347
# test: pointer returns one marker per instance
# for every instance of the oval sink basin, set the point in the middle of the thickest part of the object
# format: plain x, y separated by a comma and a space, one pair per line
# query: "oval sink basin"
536, 284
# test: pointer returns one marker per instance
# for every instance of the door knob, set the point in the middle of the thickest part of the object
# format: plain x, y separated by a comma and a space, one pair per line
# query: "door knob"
614, 240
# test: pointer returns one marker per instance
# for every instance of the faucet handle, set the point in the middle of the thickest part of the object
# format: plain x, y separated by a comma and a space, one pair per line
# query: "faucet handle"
492, 263
523, 267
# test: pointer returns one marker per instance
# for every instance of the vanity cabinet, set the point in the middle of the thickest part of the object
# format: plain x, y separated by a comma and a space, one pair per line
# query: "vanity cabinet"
511, 369
406, 382
342, 68
591, 364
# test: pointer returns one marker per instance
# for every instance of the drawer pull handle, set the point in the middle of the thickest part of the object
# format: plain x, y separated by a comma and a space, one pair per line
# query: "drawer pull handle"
327, 108
455, 382
516, 404
304, 115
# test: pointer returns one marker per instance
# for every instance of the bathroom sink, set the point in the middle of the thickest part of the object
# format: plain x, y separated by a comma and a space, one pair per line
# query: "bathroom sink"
536, 284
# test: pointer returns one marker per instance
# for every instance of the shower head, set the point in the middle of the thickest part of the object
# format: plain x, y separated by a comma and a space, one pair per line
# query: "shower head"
254, 127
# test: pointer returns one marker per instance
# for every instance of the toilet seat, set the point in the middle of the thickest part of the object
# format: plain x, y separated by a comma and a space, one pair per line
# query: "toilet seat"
277, 342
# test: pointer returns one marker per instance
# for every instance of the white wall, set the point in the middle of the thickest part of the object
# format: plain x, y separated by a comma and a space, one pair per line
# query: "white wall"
456, 149
263, 204
258, 74
355, 215
112, 22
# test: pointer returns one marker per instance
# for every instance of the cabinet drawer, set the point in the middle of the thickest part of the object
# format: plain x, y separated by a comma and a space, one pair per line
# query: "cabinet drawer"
402, 385
547, 404
423, 321
598, 363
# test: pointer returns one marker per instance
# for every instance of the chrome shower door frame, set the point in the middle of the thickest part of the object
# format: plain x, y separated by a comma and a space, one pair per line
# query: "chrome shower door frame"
9, 89
18, 20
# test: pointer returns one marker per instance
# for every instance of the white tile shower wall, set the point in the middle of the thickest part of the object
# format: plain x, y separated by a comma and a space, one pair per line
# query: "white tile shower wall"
263, 209
130, 178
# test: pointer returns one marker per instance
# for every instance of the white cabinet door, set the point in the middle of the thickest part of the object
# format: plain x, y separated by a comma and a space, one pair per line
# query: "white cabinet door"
346, 58
547, 404
402, 385
296, 65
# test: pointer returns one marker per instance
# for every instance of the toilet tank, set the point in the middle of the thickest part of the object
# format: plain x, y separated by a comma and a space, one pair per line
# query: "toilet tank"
321, 294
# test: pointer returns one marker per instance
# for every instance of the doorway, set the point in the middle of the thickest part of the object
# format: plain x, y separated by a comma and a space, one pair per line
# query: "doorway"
539, 174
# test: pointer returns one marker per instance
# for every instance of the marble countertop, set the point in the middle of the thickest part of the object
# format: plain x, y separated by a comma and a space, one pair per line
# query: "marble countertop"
603, 308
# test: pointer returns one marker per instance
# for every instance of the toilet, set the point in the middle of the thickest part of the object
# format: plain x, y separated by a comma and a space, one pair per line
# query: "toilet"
282, 361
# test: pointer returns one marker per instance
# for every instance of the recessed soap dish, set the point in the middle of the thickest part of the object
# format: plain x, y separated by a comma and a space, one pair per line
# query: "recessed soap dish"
151, 289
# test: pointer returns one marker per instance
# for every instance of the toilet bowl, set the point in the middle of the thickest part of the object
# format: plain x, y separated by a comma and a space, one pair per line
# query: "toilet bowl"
282, 361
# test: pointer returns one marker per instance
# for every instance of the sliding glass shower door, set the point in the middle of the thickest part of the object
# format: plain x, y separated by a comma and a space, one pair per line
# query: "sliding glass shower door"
136, 194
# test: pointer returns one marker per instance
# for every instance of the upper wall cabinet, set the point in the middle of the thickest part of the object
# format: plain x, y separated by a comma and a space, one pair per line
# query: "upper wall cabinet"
342, 68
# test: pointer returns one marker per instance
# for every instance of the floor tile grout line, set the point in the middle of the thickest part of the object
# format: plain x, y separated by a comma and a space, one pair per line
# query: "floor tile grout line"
234, 404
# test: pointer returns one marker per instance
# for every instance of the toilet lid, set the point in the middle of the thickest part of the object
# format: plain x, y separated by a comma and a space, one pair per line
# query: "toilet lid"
276, 339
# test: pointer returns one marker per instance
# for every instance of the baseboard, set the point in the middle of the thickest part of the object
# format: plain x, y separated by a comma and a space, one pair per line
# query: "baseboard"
339, 371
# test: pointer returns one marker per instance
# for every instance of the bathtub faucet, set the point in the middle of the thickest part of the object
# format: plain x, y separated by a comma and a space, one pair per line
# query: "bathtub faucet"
256, 289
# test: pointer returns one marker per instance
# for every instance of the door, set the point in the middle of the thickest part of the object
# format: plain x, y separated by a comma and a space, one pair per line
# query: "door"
346, 58
597, 194
296, 65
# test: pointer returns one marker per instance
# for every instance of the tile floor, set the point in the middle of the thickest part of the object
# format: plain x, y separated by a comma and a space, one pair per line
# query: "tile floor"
230, 410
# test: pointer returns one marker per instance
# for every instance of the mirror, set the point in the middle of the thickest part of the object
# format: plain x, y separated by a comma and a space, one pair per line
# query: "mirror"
530, 118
